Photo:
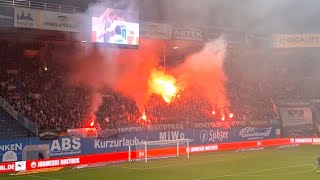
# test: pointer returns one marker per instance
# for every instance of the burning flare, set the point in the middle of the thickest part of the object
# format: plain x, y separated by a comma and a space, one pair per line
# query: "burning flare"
164, 85
92, 123
143, 117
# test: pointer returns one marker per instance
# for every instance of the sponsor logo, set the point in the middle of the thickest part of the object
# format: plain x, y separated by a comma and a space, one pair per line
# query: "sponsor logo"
11, 147
9, 156
33, 165
253, 133
55, 163
7, 167
62, 21
291, 140
65, 146
99, 144
20, 166
24, 17
213, 135
187, 34
204, 148
171, 135
303, 140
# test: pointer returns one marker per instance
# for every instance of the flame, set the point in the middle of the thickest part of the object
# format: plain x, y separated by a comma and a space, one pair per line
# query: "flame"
92, 123
164, 85
231, 115
213, 112
222, 118
143, 117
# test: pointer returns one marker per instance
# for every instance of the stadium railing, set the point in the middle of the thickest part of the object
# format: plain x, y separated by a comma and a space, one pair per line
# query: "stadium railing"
41, 5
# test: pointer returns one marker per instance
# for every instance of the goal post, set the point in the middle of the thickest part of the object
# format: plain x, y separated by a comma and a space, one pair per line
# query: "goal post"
147, 150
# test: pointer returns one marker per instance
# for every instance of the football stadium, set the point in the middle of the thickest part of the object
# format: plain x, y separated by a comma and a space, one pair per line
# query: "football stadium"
159, 89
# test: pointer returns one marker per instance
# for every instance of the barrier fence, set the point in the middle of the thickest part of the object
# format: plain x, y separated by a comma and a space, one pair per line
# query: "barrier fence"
123, 156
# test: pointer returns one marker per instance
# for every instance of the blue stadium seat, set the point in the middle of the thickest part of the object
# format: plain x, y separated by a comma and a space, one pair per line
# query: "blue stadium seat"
10, 128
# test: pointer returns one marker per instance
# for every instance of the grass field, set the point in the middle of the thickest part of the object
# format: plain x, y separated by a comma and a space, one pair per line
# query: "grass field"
298, 163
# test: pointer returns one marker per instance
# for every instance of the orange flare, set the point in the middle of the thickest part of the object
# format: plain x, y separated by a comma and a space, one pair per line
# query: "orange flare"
230, 115
163, 84
143, 117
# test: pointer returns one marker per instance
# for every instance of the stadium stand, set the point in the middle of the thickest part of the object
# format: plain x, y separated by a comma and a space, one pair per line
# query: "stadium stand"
9, 128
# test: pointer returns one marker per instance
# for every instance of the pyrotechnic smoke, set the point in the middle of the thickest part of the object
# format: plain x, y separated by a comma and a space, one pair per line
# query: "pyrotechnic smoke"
205, 70
125, 71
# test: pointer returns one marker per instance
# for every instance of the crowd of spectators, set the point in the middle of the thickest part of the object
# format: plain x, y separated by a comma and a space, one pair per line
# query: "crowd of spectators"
38, 88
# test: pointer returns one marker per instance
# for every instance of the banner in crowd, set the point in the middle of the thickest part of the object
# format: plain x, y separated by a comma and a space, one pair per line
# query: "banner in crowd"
295, 40
83, 132
26, 18
155, 30
6, 16
29, 53
187, 33
63, 21
295, 116
48, 135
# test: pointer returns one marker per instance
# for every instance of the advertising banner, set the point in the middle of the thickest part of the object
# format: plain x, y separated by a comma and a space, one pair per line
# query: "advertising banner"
253, 133
170, 135
12, 150
187, 33
295, 116
84, 161
295, 40
6, 16
118, 144
26, 18
63, 21
207, 136
48, 145
155, 30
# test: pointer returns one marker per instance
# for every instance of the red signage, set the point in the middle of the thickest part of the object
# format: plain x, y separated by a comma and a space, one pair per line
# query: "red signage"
121, 156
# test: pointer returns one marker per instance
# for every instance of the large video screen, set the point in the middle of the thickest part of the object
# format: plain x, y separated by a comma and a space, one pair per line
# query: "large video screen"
112, 26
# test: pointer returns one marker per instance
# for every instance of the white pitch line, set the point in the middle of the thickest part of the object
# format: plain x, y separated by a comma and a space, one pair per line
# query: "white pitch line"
186, 164
41, 177
249, 172
281, 174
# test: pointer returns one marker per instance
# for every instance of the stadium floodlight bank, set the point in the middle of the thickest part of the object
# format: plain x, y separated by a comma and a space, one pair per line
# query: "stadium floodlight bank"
148, 150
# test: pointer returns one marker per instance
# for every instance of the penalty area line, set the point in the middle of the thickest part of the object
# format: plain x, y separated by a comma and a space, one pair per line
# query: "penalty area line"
194, 163
249, 172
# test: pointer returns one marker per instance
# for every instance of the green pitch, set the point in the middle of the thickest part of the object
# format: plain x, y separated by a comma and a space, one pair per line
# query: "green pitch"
296, 163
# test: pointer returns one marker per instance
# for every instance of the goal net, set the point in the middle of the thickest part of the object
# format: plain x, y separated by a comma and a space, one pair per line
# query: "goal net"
148, 150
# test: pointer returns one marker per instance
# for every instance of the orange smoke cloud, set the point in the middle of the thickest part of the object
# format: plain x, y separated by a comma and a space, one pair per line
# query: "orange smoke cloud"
163, 84
204, 69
